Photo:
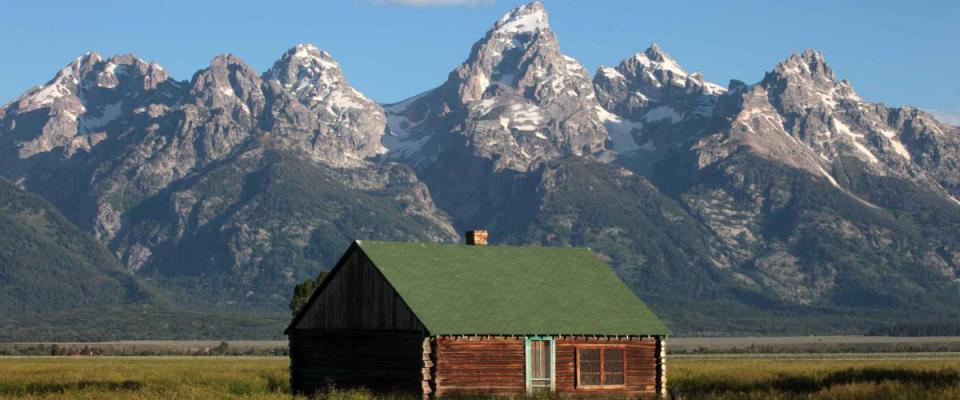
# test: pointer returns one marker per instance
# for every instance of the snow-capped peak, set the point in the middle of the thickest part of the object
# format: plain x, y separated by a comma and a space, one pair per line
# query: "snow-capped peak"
307, 71
813, 79
654, 69
526, 18
521, 100
810, 63
64, 83
655, 58
309, 59
310, 54
316, 80
656, 53
87, 58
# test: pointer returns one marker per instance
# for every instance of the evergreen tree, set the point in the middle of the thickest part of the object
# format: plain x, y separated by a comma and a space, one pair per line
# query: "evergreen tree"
303, 291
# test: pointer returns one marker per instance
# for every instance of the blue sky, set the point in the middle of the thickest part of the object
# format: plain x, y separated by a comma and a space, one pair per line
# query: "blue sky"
896, 52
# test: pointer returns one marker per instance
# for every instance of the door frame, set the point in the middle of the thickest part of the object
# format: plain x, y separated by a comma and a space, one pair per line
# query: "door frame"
553, 361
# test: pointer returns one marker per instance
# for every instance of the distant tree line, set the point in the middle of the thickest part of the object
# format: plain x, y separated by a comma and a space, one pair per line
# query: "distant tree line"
56, 349
931, 328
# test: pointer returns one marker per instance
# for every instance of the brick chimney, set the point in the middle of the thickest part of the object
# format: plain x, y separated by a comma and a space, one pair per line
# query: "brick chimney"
477, 237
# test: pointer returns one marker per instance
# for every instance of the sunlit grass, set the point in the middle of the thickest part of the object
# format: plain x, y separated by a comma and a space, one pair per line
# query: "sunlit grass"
144, 378
815, 379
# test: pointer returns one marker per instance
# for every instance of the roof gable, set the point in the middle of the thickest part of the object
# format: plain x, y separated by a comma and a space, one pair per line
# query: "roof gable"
511, 290
356, 296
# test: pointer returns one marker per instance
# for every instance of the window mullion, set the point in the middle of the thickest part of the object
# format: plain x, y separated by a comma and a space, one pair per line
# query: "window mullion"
602, 366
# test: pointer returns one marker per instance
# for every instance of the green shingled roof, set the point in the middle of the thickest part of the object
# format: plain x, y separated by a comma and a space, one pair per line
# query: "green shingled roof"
508, 290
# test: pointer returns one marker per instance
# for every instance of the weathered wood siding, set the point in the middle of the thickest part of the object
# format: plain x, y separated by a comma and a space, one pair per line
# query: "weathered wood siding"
497, 365
356, 332
382, 361
358, 297
640, 362
479, 365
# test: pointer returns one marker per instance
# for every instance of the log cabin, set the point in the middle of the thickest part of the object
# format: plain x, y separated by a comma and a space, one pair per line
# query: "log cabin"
451, 319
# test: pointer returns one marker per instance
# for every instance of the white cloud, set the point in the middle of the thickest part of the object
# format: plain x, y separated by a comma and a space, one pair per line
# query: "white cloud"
951, 117
434, 3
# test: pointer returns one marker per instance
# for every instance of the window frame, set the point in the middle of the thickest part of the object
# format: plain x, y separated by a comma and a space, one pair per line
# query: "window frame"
602, 348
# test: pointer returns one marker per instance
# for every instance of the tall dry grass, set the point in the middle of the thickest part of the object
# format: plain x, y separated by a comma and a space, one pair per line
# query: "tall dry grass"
815, 379
266, 378
144, 378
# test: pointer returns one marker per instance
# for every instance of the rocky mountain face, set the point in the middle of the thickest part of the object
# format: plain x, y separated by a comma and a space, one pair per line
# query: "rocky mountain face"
723, 207
652, 106
316, 109
804, 189
517, 101
827, 116
252, 181
515, 104
803, 102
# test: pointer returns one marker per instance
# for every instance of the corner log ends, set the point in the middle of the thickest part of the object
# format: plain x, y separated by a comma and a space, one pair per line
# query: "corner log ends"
427, 372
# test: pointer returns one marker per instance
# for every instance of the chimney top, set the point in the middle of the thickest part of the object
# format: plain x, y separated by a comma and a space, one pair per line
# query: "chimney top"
477, 237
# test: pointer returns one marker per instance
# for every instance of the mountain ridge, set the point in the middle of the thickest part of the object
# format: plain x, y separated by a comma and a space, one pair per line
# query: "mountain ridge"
788, 196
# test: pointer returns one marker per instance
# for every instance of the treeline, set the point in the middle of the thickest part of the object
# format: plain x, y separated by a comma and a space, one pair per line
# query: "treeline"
56, 349
932, 328
47, 264
820, 348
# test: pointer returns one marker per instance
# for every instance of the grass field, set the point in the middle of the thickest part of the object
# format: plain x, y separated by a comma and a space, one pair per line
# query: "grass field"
710, 377
834, 376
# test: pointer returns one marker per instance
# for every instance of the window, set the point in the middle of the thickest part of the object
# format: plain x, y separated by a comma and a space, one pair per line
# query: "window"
600, 367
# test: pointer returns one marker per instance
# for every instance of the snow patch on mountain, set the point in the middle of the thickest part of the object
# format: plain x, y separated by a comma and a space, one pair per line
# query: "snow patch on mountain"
898, 146
527, 18
855, 138
63, 84
660, 113
611, 73
109, 113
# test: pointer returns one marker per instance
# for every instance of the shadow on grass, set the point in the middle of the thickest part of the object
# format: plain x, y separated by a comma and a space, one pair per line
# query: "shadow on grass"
808, 384
40, 388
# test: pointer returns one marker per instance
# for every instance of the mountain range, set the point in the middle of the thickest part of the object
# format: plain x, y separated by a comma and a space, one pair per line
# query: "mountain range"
789, 205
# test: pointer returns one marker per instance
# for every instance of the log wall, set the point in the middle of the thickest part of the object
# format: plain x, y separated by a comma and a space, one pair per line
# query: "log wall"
479, 365
640, 362
382, 361
496, 365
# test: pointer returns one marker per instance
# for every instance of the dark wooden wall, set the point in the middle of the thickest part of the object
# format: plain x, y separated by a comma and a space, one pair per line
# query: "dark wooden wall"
641, 365
382, 361
479, 365
358, 297
357, 332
